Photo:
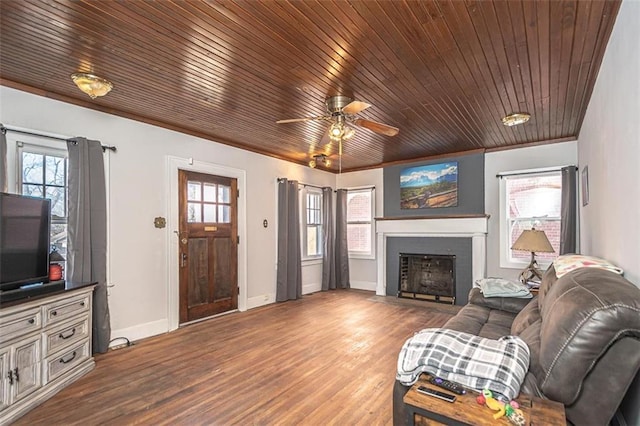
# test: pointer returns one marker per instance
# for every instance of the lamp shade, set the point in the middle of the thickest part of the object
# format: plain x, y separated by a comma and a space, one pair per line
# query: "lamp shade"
534, 241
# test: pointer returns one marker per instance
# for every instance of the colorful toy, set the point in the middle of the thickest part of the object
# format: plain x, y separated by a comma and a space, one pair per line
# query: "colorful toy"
510, 410
493, 404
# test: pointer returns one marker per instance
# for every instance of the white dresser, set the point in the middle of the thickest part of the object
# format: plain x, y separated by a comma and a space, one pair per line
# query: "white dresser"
45, 344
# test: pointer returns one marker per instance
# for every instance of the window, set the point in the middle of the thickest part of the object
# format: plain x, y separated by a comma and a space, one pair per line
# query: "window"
312, 223
529, 201
208, 202
360, 222
43, 173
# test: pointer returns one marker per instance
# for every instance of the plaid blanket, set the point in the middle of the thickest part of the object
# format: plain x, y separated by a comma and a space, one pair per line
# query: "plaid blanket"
474, 362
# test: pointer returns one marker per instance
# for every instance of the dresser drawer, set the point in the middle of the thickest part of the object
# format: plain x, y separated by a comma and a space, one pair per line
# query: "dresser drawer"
61, 310
66, 334
19, 323
55, 366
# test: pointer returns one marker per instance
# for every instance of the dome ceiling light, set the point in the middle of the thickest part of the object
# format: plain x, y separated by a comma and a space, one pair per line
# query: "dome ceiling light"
92, 85
516, 118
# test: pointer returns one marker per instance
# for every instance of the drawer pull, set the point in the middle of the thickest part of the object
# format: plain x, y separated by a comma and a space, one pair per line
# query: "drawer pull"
82, 304
66, 361
54, 313
62, 336
10, 376
32, 320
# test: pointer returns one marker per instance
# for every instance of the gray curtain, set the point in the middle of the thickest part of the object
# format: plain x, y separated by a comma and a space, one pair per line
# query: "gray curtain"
289, 275
3, 160
328, 242
87, 231
568, 220
342, 249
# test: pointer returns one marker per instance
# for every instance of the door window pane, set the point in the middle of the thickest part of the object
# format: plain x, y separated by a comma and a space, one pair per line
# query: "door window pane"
193, 213
224, 214
194, 190
210, 213
224, 194
210, 192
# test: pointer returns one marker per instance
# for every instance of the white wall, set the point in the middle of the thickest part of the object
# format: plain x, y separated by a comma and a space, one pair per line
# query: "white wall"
609, 144
138, 193
362, 272
552, 155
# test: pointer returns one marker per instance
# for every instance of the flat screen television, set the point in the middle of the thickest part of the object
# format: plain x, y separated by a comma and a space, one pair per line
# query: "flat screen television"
25, 224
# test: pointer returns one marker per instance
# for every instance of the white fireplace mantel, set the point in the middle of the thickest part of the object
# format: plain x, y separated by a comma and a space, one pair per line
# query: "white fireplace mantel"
474, 227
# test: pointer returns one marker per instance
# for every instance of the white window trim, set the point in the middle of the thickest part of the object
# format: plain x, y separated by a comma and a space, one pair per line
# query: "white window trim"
306, 259
505, 259
372, 248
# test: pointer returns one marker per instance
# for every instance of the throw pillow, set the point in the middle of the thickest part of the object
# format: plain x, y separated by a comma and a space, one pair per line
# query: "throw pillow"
568, 262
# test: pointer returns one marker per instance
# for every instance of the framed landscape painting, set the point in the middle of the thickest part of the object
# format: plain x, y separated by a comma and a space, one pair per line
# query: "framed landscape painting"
428, 187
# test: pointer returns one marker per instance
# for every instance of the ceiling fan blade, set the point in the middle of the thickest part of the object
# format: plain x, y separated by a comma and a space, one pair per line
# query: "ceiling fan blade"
355, 107
296, 120
376, 127
325, 138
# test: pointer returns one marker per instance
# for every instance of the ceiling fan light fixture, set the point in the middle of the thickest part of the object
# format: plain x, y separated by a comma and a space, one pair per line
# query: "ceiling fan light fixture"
516, 118
337, 130
319, 159
349, 132
91, 84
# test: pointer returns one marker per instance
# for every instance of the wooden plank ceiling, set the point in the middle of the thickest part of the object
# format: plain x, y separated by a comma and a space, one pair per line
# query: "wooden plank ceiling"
443, 72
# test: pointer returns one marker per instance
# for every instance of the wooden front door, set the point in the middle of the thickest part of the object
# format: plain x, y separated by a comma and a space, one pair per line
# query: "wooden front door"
208, 239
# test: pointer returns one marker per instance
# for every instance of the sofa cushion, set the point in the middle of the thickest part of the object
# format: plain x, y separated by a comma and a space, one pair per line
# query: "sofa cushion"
583, 314
481, 321
527, 316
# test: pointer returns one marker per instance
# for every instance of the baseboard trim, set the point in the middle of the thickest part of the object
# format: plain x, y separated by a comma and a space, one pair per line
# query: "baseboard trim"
364, 285
141, 331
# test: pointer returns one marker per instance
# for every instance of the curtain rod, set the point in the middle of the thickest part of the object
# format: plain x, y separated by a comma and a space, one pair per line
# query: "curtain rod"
535, 172
4, 130
280, 180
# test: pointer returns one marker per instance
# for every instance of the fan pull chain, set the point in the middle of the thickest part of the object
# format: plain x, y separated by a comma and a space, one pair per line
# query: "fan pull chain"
340, 155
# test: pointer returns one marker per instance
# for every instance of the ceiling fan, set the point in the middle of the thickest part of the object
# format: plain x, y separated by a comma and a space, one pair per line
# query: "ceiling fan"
341, 111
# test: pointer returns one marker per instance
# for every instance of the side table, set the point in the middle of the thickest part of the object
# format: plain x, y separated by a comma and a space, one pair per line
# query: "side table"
427, 410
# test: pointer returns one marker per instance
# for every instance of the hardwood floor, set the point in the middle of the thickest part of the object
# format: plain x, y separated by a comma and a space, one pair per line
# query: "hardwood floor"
327, 359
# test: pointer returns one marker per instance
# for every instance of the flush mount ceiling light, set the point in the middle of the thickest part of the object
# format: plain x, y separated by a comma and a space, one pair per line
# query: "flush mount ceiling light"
516, 118
92, 85
319, 159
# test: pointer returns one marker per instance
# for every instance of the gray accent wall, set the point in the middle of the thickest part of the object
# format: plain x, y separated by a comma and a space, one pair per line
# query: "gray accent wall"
458, 247
470, 188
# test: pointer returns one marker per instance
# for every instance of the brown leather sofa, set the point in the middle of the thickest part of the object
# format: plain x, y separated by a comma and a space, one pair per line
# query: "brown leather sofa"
583, 332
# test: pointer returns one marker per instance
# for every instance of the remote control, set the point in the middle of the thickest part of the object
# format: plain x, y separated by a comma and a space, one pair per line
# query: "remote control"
437, 394
445, 384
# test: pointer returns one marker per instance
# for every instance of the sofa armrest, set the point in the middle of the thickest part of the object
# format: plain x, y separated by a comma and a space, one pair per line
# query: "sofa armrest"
508, 304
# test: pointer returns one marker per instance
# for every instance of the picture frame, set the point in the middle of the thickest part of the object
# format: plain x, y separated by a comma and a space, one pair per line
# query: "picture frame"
429, 186
585, 186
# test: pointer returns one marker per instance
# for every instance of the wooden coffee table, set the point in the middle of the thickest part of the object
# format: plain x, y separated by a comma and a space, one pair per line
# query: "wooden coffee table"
427, 410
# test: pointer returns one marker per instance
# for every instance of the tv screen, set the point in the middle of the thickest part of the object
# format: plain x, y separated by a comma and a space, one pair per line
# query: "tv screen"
25, 224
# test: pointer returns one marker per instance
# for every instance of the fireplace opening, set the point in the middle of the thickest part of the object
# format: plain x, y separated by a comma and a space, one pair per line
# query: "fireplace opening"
428, 277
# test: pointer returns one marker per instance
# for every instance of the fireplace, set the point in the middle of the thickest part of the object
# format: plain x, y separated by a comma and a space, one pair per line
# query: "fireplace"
463, 236
427, 277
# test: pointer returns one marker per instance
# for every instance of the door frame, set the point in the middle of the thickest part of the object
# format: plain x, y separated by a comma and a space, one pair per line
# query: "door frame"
173, 282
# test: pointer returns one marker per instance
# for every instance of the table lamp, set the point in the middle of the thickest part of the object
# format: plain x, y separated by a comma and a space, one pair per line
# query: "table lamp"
534, 241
